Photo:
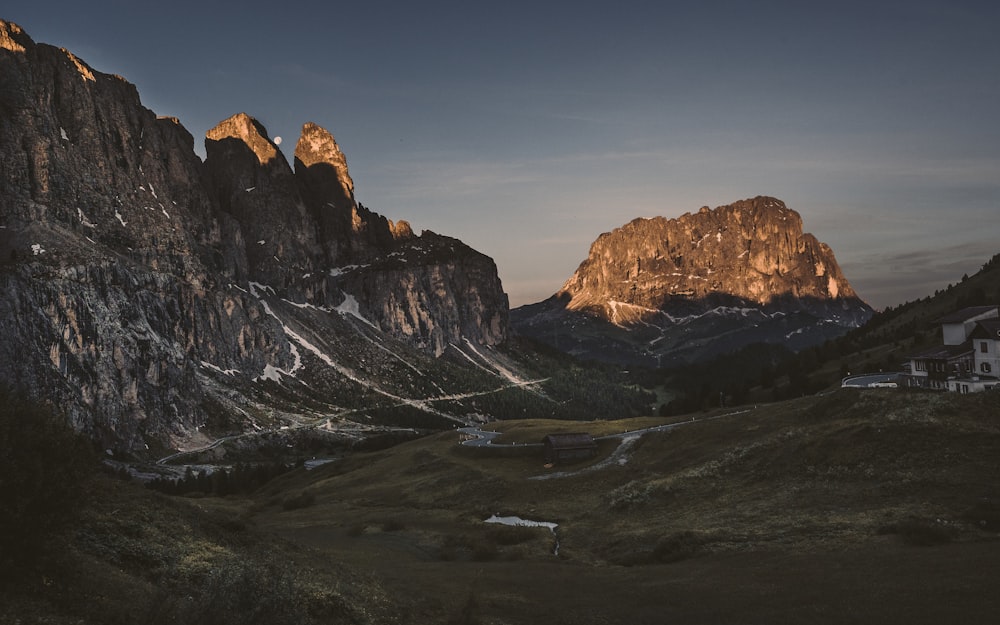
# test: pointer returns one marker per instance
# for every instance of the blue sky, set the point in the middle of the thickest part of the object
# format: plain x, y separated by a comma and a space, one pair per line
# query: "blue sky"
527, 129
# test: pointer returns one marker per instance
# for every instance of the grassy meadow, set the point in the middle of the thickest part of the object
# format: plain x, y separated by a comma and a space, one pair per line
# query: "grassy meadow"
875, 506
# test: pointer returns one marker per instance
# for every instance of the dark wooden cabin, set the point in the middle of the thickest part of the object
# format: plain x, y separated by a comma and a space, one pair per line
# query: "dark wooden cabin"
562, 448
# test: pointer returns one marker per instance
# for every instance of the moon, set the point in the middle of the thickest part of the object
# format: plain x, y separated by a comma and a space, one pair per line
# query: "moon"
277, 141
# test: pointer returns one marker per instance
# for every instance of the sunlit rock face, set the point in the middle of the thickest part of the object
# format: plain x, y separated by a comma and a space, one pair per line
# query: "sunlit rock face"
753, 250
147, 292
750, 259
317, 146
434, 290
350, 232
245, 130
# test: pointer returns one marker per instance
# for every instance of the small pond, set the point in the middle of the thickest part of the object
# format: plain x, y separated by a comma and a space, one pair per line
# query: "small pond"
516, 520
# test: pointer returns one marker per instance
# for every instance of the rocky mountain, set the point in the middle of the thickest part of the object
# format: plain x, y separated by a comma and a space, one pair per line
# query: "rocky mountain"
666, 291
161, 300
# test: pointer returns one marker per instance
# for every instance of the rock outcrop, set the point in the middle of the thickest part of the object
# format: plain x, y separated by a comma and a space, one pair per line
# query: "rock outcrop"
149, 293
748, 260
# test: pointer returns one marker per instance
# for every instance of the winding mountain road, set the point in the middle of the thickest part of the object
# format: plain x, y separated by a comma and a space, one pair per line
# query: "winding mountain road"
484, 438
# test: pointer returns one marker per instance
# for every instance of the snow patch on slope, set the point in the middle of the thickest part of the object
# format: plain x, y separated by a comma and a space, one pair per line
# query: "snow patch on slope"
350, 307
506, 373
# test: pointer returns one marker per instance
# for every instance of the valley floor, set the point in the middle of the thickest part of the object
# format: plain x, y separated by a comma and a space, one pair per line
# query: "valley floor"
857, 507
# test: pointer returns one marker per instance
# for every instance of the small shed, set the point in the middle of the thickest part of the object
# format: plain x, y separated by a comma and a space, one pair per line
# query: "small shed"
561, 448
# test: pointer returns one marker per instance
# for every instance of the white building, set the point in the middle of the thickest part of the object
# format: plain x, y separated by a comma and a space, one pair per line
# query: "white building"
969, 360
985, 338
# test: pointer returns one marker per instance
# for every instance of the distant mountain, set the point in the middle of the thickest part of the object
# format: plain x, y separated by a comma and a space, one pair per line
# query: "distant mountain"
667, 291
161, 300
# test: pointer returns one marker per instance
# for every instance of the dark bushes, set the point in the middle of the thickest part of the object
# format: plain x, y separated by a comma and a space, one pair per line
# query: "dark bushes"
920, 532
237, 592
240, 480
508, 535
43, 467
670, 548
299, 500
985, 515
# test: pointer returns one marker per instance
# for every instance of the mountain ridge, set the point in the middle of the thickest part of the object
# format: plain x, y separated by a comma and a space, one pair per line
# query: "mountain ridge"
148, 292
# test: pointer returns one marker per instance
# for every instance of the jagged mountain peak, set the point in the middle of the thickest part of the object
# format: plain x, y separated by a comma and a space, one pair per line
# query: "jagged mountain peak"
13, 37
317, 146
401, 229
248, 130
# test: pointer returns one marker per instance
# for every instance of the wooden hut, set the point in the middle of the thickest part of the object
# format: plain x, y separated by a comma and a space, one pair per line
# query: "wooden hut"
562, 448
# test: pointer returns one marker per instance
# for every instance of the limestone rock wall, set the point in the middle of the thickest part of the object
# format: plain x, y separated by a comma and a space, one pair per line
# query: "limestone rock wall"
131, 270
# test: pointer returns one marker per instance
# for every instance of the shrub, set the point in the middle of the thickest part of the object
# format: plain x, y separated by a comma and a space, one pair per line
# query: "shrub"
303, 499
358, 529
634, 493
43, 466
393, 525
485, 552
465, 546
985, 515
238, 592
468, 614
920, 532
512, 534
234, 525
675, 547
669, 548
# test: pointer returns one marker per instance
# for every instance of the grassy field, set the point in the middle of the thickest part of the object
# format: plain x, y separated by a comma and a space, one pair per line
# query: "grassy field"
855, 507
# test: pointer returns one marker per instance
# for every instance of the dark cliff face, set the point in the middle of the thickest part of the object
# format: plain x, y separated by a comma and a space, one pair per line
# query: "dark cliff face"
749, 260
80, 151
250, 182
431, 273
149, 293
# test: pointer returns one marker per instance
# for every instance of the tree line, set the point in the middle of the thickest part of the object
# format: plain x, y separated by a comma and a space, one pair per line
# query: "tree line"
241, 479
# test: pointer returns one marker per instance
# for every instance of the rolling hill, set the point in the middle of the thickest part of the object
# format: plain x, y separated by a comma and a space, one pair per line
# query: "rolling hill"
859, 506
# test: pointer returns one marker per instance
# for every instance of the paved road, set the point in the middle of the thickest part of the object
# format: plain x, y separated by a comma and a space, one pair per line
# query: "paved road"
873, 380
477, 437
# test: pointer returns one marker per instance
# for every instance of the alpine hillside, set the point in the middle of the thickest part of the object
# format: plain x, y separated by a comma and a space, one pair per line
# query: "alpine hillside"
664, 291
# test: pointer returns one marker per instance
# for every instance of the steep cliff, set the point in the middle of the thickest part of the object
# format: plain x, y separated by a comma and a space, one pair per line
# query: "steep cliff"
154, 296
666, 290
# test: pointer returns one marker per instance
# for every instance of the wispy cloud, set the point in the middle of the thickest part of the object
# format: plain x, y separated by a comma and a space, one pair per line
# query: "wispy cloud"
900, 276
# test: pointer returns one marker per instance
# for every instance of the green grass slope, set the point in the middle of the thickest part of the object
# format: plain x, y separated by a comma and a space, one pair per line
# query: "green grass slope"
853, 507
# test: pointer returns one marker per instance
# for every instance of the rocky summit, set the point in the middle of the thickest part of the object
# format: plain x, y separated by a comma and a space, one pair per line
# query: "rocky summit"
155, 297
666, 291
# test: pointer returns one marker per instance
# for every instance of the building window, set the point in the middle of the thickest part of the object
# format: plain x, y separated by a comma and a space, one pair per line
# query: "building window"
984, 347
985, 367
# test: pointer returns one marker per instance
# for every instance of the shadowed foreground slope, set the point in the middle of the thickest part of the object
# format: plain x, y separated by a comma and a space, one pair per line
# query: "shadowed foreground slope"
855, 507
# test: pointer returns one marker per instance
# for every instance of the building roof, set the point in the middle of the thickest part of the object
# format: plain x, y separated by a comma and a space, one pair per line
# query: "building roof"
966, 314
943, 352
986, 329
